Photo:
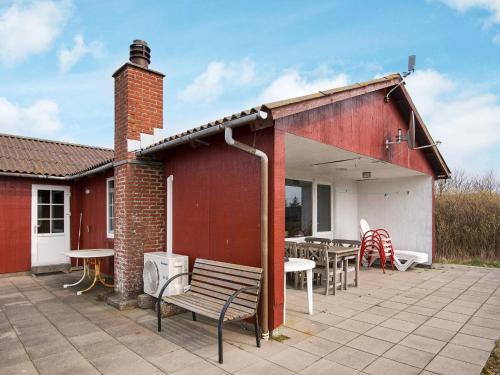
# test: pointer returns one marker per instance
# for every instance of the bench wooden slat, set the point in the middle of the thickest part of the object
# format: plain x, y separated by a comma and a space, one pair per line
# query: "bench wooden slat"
249, 296
219, 302
216, 303
196, 305
185, 305
230, 266
226, 277
223, 297
246, 274
213, 281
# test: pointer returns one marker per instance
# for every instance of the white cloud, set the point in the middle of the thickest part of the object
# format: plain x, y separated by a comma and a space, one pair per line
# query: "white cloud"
30, 28
491, 6
42, 117
69, 57
465, 118
217, 78
293, 83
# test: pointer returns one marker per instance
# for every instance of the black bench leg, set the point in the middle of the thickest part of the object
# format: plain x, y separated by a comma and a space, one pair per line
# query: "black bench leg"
257, 330
219, 339
158, 313
194, 317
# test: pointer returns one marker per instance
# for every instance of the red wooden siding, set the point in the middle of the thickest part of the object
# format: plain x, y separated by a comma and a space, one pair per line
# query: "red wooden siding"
15, 224
15, 218
360, 125
216, 209
93, 208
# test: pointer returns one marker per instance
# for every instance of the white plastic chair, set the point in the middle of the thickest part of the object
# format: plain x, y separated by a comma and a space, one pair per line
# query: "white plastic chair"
403, 259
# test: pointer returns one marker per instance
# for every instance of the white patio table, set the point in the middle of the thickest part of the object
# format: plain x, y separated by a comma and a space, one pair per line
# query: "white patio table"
297, 265
90, 257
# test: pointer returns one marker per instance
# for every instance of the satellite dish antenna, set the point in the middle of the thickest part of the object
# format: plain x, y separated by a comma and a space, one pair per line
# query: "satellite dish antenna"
411, 65
411, 68
410, 136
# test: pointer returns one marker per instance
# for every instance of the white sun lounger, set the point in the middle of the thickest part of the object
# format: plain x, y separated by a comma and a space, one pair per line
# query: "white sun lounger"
403, 259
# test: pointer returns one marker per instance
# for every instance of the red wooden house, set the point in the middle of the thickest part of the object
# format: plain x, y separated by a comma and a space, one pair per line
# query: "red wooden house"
237, 186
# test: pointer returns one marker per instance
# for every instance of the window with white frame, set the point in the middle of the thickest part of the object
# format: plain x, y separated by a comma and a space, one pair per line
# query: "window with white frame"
298, 208
110, 207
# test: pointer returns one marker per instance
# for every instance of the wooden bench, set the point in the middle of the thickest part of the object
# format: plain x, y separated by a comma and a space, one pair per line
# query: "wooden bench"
223, 291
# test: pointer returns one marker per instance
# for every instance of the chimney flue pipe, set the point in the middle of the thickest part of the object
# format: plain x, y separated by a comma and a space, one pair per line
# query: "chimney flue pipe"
140, 53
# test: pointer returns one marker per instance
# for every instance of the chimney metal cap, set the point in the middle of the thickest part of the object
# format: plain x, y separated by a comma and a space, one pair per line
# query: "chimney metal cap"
140, 53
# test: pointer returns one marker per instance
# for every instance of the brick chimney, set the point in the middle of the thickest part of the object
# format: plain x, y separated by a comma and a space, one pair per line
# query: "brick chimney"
139, 183
138, 100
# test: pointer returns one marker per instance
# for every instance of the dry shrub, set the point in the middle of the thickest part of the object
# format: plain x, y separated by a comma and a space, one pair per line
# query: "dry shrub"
468, 218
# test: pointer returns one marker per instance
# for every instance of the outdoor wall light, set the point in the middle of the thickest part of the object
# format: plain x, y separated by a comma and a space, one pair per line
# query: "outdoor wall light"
87, 191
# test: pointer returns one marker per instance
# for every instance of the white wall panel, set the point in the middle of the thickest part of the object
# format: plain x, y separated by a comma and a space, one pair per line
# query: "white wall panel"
346, 220
403, 206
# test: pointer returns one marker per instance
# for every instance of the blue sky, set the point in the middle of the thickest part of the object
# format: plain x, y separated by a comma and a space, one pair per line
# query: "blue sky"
219, 57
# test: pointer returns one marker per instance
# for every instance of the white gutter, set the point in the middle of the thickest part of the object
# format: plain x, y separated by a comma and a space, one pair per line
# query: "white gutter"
203, 133
228, 136
40, 176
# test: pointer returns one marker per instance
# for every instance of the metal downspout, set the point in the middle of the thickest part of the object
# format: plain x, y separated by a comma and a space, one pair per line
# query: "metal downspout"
228, 136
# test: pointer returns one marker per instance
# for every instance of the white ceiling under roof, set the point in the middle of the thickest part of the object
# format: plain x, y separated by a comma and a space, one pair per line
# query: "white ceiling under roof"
310, 159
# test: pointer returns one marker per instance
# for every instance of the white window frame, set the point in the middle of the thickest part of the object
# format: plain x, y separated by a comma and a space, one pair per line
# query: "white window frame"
110, 233
315, 182
330, 232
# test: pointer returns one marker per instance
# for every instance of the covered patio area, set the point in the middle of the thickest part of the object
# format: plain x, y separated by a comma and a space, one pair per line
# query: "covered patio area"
424, 321
329, 190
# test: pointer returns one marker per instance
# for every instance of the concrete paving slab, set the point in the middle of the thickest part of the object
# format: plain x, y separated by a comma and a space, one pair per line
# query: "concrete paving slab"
385, 366
294, 359
355, 325
264, 367
317, 346
339, 335
423, 343
434, 333
370, 344
325, 367
387, 334
354, 358
448, 366
465, 354
409, 356
400, 325
473, 342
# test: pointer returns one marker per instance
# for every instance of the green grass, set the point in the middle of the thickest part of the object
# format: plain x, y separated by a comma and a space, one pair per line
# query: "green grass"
477, 262
492, 367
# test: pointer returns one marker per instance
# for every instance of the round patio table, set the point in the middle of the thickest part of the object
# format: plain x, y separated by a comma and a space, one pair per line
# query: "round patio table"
298, 265
91, 257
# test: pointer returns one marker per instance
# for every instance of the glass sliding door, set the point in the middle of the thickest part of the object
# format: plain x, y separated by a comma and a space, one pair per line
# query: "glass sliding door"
324, 218
324, 226
298, 208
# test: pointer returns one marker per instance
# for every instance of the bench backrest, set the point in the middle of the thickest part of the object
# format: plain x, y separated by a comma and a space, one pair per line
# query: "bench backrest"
218, 280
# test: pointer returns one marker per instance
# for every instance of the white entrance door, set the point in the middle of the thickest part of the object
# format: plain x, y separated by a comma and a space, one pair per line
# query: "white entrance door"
50, 219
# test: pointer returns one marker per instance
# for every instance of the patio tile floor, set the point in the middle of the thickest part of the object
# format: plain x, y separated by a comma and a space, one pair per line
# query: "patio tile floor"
424, 321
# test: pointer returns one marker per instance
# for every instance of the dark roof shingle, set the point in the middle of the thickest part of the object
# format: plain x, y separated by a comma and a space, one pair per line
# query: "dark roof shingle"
42, 157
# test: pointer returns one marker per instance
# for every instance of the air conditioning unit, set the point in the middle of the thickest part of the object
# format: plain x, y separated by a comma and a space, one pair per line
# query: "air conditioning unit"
159, 267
